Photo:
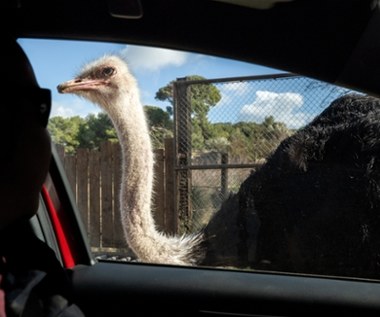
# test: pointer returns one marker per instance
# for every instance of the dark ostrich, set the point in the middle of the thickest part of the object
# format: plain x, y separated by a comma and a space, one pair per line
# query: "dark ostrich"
314, 207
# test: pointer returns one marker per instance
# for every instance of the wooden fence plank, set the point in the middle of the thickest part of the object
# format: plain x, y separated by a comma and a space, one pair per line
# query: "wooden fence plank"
70, 167
94, 199
107, 214
82, 185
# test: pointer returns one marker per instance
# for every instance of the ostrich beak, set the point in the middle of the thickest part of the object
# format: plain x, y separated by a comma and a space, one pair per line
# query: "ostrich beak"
79, 84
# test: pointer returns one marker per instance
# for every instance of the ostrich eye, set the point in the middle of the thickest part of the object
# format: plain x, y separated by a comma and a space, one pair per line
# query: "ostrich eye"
108, 71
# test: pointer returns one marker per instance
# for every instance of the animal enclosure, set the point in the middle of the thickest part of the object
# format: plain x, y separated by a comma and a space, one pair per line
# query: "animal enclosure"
223, 130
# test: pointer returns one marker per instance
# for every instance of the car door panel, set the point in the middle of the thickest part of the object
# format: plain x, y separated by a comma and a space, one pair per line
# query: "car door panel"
108, 288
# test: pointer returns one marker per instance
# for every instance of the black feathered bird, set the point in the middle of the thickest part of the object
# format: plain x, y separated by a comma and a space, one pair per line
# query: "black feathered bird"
314, 207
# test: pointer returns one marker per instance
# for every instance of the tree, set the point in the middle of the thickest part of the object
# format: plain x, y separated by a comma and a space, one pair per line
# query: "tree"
160, 125
158, 117
91, 131
65, 131
202, 97
95, 130
255, 141
74, 132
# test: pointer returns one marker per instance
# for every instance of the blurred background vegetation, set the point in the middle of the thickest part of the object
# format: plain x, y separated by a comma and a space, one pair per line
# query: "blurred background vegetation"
244, 141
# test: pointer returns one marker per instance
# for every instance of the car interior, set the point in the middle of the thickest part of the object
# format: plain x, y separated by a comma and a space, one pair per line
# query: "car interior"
334, 42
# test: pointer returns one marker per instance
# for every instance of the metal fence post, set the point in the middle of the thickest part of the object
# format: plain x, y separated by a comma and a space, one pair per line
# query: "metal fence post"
182, 115
224, 176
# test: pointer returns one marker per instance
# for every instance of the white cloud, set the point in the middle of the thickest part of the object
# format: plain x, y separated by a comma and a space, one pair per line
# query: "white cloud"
284, 107
61, 111
232, 91
153, 59
76, 107
239, 88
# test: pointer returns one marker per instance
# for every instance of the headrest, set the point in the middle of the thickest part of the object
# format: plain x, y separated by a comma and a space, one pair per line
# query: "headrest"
16, 67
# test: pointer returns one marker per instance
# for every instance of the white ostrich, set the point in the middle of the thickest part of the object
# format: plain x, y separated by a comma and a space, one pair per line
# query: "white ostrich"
108, 83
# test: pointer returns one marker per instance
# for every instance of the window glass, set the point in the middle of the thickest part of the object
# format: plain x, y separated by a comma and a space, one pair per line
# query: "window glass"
254, 168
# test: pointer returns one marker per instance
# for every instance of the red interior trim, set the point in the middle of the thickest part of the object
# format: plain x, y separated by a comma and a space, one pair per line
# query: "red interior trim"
67, 256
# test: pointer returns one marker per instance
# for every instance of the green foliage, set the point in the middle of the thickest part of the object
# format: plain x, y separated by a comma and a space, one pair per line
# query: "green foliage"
158, 118
65, 131
91, 131
160, 125
244, 141
95, 130
166, 93
248, 141
201, 98
75, 132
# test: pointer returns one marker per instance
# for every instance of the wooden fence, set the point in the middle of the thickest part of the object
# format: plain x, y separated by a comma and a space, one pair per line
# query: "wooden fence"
95, 177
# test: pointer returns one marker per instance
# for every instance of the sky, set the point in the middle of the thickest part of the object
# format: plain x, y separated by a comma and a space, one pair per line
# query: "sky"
56, 61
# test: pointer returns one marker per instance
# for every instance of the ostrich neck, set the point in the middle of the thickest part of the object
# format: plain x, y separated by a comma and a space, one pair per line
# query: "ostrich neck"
137, 169
140, 231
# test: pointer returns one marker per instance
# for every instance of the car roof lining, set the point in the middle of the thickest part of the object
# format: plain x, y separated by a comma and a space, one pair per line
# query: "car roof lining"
360, 66
289, 36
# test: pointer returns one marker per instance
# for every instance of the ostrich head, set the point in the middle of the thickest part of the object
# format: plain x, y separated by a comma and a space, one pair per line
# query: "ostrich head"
103, 82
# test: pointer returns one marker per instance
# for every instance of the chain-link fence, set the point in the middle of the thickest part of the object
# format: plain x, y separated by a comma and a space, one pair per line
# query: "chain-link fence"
225, 128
